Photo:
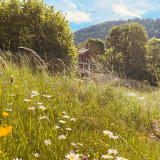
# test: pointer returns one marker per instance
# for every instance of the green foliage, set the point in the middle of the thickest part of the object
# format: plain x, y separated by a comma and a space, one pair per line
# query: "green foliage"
96, 46
126, 44
153, 57
35, 25
10, 25
81, 45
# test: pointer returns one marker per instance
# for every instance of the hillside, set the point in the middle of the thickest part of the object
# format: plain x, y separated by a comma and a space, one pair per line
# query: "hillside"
61, 117
101, 30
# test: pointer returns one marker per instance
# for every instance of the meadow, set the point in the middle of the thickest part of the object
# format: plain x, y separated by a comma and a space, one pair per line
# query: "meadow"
60, 117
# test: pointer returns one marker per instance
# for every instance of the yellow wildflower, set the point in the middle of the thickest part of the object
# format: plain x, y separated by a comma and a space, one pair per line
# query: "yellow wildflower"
5, 130
5, 114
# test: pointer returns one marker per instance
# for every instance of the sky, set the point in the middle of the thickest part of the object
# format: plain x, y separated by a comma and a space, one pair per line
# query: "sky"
84, 13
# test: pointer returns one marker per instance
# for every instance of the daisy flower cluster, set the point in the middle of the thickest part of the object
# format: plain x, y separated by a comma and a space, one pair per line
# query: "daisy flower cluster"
111, 151
111, 154
62, 130
110, 134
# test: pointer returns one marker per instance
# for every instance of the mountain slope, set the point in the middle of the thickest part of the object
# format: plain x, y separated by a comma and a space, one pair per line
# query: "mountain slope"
101, 30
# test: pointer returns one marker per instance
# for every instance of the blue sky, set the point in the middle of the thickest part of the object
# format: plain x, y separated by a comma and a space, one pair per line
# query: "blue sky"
84, 13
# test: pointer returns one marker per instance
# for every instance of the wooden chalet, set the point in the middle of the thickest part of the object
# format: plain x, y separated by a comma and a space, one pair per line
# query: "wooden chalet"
85, 56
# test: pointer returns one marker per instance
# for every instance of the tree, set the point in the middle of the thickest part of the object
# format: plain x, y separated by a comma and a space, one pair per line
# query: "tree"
10, 25
96, 46
127, 49
33, 24
153, 57
81, 45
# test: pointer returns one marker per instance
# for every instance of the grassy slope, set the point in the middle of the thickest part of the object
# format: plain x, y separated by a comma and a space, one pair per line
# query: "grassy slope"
95, 107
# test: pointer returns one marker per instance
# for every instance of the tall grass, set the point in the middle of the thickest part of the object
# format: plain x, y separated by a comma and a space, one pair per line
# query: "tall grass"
95, 107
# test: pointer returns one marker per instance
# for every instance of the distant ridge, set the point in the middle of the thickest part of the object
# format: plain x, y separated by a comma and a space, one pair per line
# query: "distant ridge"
102, 30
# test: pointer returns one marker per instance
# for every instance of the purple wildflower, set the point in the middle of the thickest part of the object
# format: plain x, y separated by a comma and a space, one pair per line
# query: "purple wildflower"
84, 157
71, 151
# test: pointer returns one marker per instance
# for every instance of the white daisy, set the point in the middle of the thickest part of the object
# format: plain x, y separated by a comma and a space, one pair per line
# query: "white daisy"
31, 108
27, 100
64, 112
61, 137
9, 109
80, 144
12, 95
57, 127
107, 156
114, 137
48, 142
65, 116
39, 103
36, 155
34, 93
61, 121
69, 129
17, 159
109, 133
42, 117
42, 108
72, 156
73, 144
114, 151
73, 119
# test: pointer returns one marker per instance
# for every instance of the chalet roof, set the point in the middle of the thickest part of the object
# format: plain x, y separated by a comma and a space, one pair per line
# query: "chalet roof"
82, 51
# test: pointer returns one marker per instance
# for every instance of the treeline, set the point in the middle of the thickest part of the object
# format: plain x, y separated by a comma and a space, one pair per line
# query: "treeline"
128, 52
101, 30
33, 24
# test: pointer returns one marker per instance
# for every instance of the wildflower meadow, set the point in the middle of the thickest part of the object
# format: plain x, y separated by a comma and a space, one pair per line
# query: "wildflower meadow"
60, 117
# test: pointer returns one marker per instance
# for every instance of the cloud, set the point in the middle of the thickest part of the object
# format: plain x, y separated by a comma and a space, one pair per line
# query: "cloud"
74, 12
82, 7
139, 11
123, 11
143, 4
71, 5
76, 16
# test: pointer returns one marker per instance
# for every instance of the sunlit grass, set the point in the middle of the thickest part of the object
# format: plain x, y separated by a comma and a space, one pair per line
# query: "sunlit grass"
53, 115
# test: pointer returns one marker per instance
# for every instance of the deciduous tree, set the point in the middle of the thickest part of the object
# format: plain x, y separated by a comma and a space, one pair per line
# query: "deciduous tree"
127, 49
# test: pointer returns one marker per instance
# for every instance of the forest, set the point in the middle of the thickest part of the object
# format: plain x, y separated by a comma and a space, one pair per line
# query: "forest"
101, 30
